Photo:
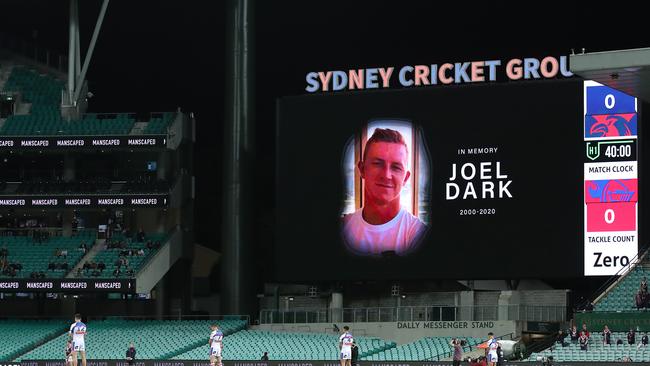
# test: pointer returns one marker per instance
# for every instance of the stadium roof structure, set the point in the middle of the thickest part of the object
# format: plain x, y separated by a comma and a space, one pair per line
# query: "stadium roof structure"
625, 70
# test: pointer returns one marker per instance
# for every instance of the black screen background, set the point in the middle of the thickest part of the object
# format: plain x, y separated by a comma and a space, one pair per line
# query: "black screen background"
537, 127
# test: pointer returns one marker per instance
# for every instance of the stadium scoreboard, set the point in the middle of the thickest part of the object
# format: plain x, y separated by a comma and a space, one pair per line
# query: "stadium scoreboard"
532, 179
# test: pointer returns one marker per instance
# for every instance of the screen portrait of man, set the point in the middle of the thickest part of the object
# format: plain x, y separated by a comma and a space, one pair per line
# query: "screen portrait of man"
382, 225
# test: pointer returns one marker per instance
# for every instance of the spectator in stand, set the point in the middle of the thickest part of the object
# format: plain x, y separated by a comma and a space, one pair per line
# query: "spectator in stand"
64, 266
130, 354
9, 271
51, 266
644, 285
64, 253
101, 266
574, 334
140, 252
583, 340
631, 337
83, 247
607, 335
585, 331
560, 338
41, 274
641, 299
458, 351
140, 237
265, 357
149, 245
57, 252
117, 272
644, 340
130, 273
619, 342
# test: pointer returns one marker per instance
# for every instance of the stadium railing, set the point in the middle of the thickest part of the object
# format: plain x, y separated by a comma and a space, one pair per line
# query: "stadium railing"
416, 313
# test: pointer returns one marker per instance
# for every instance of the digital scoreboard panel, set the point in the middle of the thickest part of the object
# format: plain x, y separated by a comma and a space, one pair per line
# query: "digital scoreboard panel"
465, 182
611, 180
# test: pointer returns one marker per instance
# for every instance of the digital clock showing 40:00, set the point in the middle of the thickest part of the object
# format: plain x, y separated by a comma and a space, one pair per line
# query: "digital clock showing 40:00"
612, 150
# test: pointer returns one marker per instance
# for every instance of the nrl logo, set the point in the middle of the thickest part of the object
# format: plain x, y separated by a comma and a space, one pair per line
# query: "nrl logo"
593, 150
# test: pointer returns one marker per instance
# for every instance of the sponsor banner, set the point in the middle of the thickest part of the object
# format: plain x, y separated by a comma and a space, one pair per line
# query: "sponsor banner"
611, 125
608, 252
67, 285
605, 100
82, 142
287, 363
610, 150
619, 216
132, 200
611, 170
611, 190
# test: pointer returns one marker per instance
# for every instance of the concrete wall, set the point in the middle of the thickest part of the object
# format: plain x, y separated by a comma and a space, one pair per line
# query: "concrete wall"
406, 332
543, 297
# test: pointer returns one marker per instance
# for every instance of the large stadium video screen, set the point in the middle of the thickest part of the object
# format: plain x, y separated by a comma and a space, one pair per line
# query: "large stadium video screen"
447, 182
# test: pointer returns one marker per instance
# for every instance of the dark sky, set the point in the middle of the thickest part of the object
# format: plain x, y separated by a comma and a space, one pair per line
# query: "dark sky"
159, 55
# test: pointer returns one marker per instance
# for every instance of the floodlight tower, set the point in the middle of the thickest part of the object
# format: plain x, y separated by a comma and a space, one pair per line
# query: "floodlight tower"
73, 102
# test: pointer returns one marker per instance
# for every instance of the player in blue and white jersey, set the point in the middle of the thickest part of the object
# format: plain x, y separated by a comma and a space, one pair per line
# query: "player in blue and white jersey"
216, 345
345, 345
77, 334
492, 354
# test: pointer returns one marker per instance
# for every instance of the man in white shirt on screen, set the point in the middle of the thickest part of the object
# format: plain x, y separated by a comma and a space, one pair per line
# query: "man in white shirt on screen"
382, 225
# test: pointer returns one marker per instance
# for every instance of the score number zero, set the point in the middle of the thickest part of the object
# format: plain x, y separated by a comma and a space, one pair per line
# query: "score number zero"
477, 211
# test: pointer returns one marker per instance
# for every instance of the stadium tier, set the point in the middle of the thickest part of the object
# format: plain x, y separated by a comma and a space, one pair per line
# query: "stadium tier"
35, 255
251, 344
154, 339
51, 124
43, 91
158, 125
18, 336
44, 119
622, 297
111, 255
428, 348
597, 351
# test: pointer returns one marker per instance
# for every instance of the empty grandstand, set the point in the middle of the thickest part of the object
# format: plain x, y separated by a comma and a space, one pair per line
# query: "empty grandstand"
155, 339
